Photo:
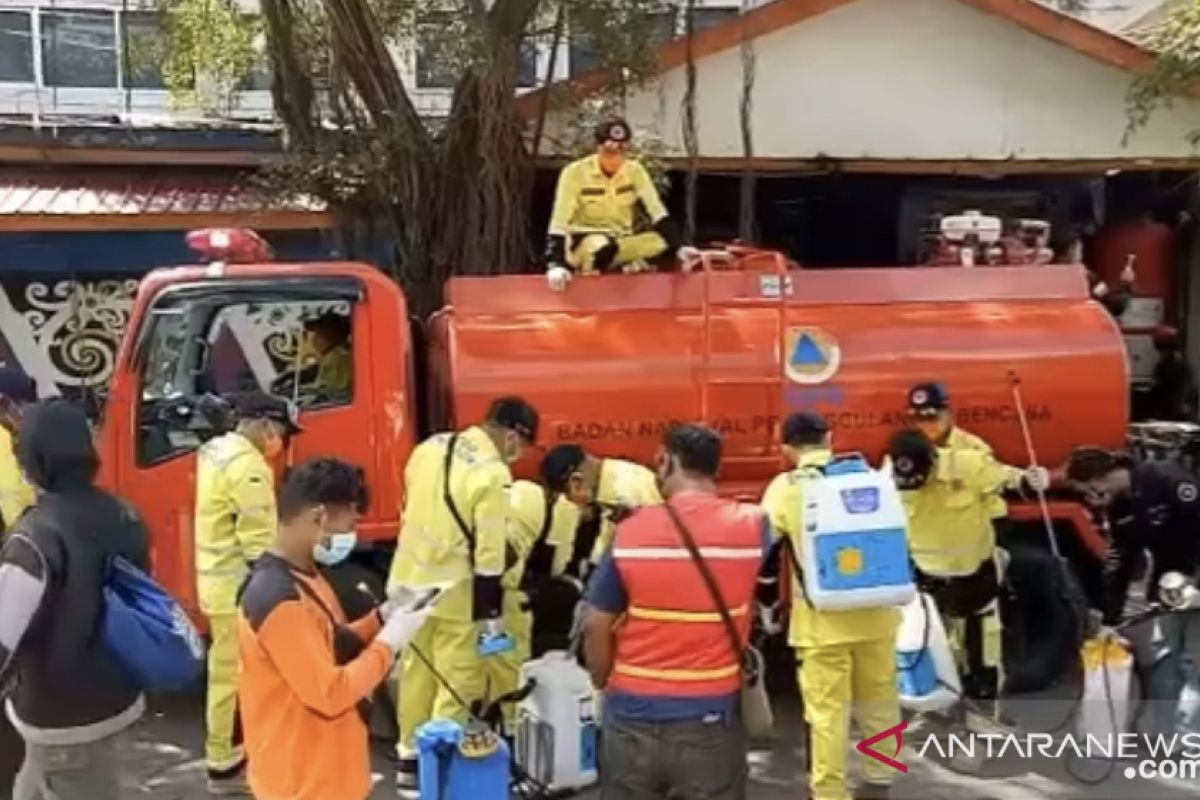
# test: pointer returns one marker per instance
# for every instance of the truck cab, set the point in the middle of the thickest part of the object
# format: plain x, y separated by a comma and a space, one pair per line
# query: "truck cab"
236, 324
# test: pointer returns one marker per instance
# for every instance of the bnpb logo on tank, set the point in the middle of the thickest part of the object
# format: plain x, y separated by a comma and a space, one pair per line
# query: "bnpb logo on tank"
813, 358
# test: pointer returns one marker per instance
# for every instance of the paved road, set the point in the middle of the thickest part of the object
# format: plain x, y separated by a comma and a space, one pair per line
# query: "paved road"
164, 763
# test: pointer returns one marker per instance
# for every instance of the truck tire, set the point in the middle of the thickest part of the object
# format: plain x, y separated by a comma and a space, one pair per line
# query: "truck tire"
1043, 610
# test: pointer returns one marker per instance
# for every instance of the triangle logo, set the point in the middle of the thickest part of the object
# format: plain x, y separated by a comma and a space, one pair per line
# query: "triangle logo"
813, 356
807, 353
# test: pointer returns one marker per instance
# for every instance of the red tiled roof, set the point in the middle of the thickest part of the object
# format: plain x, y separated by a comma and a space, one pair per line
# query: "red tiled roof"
65, 200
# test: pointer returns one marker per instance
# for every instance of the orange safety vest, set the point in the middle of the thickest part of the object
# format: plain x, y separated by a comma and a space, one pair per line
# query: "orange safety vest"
672, 642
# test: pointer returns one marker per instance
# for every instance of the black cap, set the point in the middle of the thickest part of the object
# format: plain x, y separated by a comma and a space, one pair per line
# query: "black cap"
614, 130
1089, 463
928, 399
17, 386
336, 324
913, 457
560, 463
259, 405
801, 425
516, 415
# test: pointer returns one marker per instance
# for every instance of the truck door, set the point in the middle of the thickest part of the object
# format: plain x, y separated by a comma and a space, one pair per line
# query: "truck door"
200, 341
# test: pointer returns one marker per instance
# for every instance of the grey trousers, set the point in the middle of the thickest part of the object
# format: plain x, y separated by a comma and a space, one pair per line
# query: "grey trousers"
69, 772
683, 760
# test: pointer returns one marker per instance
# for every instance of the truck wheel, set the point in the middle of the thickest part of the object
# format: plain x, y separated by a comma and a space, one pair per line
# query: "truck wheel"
1043, 609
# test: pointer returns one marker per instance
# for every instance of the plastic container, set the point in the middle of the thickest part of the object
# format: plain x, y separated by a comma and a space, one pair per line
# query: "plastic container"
446, 773
557, 725
854, 546
1105, 707
926, 674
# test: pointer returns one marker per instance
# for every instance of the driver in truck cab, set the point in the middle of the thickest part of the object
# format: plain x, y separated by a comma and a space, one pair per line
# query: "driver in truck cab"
949, 494
328, 338
17, 390
235, 523
610, 487
455, 535
595, 210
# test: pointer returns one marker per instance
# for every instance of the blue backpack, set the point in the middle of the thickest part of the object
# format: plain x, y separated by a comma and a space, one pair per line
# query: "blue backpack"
148, 631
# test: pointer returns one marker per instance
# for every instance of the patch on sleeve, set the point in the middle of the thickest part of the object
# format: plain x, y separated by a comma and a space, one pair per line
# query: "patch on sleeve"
1187, 492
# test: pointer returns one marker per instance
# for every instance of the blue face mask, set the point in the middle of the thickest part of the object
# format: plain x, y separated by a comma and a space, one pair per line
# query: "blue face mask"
340, 546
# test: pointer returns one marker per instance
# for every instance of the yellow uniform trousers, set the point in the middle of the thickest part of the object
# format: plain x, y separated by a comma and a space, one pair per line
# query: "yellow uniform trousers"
632, 250
223, 737
504, 670
841, 681
450, 646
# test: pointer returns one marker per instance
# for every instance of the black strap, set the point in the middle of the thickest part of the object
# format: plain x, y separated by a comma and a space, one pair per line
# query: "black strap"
303, 586
467, 531
735, 641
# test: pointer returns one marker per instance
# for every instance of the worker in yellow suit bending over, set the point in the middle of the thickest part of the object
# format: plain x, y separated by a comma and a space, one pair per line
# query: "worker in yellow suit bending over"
16, 391
847, 658
454, 535
610, 487
595, 205
541, 531
235, 523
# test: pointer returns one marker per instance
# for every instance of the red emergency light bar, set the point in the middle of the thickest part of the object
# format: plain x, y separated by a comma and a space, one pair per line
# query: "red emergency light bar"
230, 245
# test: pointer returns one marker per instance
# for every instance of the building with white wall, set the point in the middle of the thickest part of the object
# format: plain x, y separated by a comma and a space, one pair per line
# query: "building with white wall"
75, 58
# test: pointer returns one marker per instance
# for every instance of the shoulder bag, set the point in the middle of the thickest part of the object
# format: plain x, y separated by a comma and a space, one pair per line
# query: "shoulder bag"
755, 705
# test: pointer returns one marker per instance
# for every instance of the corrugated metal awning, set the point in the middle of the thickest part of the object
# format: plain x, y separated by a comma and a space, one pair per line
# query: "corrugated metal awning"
79, 201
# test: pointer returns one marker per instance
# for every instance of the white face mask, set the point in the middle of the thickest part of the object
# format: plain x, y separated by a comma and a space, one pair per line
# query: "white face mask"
511, 452
340, 546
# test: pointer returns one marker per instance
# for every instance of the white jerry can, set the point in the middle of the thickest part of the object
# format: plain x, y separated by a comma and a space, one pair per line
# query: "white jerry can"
926, 673
557, 728
854, 545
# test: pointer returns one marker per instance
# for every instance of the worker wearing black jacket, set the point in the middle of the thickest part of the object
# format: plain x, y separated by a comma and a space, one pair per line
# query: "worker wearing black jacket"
1152, 508
70, 697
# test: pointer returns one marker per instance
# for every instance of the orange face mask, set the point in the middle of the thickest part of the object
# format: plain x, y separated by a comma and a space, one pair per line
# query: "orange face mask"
611, 160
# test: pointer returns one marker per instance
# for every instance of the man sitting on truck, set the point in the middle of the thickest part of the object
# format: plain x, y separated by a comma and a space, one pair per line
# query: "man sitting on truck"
609, 487
592, 224
949, 494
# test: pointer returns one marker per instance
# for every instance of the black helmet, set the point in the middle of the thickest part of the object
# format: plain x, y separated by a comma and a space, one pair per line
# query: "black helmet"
913, 458
614, 130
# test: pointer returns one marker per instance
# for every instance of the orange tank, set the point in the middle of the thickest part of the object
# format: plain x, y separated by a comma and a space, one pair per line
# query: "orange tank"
611, 363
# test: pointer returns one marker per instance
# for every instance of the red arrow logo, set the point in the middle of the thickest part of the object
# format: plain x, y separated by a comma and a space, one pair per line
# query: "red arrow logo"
865, 748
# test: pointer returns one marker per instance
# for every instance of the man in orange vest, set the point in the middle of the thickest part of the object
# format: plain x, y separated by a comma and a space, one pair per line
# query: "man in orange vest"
670, 675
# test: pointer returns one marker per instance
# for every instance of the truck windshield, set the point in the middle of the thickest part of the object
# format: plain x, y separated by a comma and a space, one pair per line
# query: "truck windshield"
196, 349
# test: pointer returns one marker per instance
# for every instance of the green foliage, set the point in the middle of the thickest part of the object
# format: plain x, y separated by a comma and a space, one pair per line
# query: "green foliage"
1177, 67
213, 47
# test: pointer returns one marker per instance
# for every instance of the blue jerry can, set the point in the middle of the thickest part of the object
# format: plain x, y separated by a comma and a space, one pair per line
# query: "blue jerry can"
462, 764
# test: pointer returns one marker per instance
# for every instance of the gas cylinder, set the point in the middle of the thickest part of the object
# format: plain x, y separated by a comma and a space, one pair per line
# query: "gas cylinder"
557, 726
1147, 247
462, 763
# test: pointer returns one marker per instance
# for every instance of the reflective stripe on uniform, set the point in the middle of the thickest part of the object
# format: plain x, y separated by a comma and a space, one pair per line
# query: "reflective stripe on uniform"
716, 673
669, 615
670, 553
